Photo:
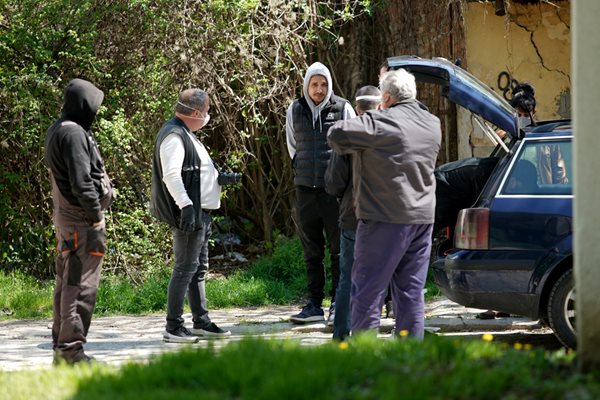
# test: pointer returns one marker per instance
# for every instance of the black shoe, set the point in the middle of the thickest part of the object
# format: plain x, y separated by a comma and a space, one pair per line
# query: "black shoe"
80, 357
309, 313
389, 309
211, 330
179, 335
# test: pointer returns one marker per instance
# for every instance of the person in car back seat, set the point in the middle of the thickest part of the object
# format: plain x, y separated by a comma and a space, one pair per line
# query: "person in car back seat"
524, 178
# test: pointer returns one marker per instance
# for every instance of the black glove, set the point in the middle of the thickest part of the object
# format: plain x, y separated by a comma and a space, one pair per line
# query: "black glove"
187, 221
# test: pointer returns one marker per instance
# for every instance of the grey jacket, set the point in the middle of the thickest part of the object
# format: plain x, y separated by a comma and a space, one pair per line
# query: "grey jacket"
395, 152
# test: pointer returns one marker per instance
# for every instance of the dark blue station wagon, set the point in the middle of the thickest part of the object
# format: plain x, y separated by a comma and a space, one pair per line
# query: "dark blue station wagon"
512, 243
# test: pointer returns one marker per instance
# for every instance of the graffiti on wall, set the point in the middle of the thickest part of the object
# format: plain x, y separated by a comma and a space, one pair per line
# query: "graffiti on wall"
506, 83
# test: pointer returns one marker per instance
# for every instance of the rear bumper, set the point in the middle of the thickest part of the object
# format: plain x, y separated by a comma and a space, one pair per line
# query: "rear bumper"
475, 284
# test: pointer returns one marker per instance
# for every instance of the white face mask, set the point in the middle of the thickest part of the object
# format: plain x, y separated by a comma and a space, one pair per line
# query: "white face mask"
524, 121
206, 119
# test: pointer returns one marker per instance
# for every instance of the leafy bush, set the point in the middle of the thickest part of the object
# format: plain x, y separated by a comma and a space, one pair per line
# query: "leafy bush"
249, 56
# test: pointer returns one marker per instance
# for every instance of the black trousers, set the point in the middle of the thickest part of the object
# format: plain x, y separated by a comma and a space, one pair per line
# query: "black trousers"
317, 217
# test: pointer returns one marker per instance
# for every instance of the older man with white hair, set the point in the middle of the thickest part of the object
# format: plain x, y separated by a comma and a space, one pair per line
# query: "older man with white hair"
396, 150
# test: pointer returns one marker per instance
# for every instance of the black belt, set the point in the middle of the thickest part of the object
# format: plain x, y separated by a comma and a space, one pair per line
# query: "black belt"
206, 211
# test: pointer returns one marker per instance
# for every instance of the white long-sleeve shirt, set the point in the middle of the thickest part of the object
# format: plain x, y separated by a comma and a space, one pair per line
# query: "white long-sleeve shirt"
172, 153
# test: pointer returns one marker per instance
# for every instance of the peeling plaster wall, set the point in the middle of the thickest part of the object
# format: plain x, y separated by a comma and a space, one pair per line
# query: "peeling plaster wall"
530, 43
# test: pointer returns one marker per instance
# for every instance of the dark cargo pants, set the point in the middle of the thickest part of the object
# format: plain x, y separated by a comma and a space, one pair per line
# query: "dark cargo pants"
78, 264
81, 249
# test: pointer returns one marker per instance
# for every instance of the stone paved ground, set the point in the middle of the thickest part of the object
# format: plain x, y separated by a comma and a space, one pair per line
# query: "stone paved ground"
27, 344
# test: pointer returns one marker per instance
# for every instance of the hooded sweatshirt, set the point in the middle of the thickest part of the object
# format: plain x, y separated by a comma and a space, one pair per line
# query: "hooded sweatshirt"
71, 154
306, 129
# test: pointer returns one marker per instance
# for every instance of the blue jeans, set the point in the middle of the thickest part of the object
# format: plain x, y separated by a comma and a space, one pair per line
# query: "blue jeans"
188, 276
341, 323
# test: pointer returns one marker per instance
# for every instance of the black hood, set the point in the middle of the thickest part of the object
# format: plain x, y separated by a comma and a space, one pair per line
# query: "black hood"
82, 101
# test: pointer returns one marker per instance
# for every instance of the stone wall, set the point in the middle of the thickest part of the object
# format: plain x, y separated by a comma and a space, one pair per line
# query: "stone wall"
530, 43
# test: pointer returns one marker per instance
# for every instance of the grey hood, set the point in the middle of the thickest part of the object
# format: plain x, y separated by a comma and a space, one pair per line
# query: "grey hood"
317, 69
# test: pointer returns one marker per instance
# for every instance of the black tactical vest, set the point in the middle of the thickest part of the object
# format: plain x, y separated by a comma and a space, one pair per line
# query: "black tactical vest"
162, 204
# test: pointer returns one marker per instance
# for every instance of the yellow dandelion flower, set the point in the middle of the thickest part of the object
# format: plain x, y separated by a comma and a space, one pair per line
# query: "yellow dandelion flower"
403, 333
487, 337
527, 346
343, 345
518, 346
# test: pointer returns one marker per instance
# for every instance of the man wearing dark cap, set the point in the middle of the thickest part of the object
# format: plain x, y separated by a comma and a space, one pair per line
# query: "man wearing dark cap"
81, 192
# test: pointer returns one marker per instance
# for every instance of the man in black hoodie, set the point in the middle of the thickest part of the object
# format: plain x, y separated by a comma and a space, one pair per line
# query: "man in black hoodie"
81, 192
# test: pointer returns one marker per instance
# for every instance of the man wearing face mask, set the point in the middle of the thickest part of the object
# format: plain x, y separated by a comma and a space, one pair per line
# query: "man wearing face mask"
184, 191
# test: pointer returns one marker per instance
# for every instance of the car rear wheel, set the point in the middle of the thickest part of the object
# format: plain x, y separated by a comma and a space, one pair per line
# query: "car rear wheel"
561, 310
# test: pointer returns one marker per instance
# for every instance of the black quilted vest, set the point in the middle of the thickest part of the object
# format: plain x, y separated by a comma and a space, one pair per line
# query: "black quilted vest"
312, 151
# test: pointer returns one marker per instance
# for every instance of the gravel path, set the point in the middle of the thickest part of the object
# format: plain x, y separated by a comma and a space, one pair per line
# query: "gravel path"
27, 344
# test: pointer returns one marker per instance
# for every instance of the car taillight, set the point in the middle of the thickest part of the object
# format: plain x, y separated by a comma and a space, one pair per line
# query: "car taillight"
472, 229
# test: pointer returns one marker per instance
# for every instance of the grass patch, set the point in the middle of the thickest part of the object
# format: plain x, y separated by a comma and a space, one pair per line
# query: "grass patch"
276, 279
24, 297
367, 368
279, 278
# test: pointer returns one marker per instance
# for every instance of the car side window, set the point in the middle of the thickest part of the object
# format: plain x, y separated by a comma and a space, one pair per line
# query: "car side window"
542, 168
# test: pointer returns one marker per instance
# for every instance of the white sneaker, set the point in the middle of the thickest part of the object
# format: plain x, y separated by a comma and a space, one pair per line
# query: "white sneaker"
331, 317
179, 335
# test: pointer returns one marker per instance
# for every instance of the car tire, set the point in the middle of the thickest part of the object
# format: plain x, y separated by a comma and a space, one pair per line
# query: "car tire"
561, 310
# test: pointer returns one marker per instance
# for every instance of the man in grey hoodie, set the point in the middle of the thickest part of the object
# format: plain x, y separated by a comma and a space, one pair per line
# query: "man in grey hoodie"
307, 121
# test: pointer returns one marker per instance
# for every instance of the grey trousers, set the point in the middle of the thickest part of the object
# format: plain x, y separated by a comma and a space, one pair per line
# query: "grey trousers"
189, 275
394, 254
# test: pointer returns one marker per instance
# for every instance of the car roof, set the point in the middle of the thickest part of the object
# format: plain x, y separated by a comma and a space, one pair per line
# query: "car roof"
554, 128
